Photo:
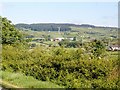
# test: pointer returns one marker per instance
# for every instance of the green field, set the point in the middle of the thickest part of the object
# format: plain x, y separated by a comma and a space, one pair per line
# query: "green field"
19, 80
84, 34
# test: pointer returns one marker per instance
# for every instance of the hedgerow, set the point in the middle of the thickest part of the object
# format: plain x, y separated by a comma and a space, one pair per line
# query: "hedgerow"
70, 68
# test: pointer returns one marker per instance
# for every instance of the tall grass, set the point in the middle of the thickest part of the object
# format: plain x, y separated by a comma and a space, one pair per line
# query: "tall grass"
22, 81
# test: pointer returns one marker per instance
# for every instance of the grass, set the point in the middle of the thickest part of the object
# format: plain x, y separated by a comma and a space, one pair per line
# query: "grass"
113, 55
22, 81
82, 35
99, 33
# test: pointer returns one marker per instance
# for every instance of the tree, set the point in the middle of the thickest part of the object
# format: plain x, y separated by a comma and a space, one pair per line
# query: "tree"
10, 34
66, 43
98, 48
74, 39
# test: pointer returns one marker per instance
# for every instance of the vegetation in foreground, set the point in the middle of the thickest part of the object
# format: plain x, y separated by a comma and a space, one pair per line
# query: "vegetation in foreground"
68, 68
21, 81
88, 67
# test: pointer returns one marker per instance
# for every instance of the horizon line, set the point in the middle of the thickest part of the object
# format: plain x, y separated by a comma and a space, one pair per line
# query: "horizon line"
66, 23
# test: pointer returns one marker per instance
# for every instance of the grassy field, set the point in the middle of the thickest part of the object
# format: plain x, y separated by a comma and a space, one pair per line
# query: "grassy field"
80, 33
113, 54
18, 80
96, 33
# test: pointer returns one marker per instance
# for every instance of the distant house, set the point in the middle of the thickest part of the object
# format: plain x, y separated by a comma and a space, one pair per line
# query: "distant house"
114, 48
70, 38
89, 27
58, 39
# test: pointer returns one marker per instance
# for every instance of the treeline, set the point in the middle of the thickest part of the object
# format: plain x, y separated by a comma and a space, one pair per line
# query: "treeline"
55, 27
44, 27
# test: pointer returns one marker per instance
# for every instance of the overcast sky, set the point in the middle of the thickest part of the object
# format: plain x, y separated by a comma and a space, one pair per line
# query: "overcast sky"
96, 13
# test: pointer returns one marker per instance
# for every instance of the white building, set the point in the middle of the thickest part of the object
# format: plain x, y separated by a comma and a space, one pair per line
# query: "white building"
114, 48
70, 39
58, 39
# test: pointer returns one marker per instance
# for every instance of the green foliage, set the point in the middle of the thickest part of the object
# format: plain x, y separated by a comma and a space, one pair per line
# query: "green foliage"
47, 37
10, 35
98, 48
70, 68
86, 67
74, 39
68, 44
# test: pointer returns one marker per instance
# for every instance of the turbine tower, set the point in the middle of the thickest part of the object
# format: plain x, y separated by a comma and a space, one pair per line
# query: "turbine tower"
59, 29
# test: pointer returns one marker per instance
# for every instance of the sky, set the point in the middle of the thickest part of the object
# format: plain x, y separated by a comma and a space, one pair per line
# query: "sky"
95, 13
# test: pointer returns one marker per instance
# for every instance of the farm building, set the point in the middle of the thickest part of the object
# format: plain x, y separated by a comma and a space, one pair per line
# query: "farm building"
114, 48
70, 38
58, 39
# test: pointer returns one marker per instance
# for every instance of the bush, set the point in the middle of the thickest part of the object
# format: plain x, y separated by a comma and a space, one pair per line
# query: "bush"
71, 68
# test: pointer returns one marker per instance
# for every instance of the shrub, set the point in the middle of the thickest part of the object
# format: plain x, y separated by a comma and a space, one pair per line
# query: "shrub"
62, 66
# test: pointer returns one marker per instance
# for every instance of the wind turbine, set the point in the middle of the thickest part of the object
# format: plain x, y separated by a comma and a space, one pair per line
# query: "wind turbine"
59, 29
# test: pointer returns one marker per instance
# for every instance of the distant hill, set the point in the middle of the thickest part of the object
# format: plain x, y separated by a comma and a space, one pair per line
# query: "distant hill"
54, 26
45, 27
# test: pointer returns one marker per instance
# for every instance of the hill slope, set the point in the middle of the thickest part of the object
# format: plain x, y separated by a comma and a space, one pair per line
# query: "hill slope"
55, 27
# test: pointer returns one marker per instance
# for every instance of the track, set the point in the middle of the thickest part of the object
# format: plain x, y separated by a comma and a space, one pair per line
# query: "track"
7, 84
